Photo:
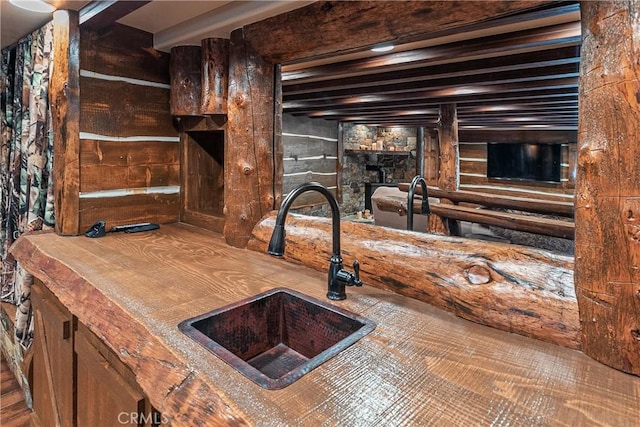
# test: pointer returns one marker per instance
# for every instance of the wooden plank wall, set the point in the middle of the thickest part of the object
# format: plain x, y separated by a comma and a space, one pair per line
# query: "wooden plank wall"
310, 154
129, 158
473, 168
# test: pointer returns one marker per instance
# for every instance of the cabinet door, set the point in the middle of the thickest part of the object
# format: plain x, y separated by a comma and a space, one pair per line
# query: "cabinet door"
107, 393
52, 364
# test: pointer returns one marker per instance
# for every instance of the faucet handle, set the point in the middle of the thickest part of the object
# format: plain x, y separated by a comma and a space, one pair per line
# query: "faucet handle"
356, 271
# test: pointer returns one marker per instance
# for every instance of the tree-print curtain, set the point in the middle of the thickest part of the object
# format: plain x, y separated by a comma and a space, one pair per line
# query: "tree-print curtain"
26, 187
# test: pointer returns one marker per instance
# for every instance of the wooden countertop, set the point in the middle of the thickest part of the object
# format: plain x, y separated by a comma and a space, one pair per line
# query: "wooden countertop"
419, 366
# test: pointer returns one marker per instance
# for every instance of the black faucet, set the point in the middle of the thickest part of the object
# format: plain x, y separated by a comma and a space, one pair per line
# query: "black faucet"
338, 276
425, 209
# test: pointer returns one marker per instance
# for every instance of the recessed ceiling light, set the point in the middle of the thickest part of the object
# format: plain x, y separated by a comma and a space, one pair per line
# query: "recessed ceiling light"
39, 6
382, 48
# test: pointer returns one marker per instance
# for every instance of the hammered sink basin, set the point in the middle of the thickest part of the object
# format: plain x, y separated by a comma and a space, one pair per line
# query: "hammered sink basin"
278, 336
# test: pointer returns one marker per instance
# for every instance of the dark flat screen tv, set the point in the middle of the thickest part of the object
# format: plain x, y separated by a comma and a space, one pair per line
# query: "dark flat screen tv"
524, 161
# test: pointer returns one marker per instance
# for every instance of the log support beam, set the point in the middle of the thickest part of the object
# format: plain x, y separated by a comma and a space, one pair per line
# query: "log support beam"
251, 149
449, 165
607, 253
64, 97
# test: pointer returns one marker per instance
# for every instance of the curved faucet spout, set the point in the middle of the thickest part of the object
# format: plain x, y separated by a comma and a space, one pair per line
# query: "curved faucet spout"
338, 277
425, 209
276, 245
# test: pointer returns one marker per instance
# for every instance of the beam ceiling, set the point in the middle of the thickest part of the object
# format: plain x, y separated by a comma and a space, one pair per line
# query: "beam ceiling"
515, 72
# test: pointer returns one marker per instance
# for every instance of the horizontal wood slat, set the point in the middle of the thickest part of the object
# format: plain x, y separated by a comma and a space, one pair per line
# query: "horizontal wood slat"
320, 165
159, 208
111, 165
311, 198
293, 181
297, 146
121, 109
103, 52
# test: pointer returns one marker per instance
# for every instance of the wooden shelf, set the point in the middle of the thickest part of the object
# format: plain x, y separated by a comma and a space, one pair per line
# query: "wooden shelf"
385, 152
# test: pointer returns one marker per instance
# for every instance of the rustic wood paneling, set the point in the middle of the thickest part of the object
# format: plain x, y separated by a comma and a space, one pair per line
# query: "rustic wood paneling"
116, 108
64, 98
466, 167
312, 198
306, 146
608, 185
204, 172
473, 172
473, 150
105, 52
319, 165
112, 165
294, 181
159, 208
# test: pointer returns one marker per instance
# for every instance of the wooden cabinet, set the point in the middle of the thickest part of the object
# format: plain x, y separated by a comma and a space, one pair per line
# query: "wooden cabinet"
75, 379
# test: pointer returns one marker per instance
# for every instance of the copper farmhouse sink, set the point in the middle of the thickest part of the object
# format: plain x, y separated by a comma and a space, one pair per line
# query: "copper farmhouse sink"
276, 337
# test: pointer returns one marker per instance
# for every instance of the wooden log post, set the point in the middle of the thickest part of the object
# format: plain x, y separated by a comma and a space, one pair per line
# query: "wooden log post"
249, 157
185, 70
513, 288
449, 168
64, 97
215, 76
607, 252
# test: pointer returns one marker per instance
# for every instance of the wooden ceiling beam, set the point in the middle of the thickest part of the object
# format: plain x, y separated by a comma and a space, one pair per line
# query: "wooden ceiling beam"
550, 94
557, 36
324, 28
101, 13
526, 76
521, 61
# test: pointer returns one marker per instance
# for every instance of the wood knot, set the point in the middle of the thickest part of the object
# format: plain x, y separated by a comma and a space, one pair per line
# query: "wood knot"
478, 275
635, 333
239, 100
243, 217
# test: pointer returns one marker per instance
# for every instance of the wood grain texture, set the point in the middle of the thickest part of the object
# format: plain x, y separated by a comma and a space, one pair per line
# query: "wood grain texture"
135, 208
64, 98
13, 409
527, 291
215, 76
186, 80
540, 136
608, 184
103, 52
449, 172
111, 165
158, 372
327, 27
419, 366
116, 108
249, 166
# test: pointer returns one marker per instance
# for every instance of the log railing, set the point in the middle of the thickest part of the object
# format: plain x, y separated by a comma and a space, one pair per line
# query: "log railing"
513, 288
514, 221
525, 204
